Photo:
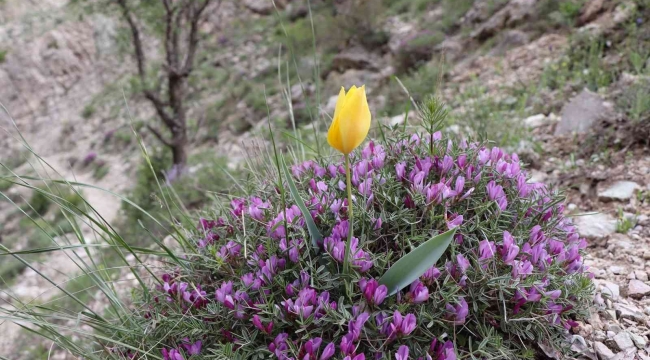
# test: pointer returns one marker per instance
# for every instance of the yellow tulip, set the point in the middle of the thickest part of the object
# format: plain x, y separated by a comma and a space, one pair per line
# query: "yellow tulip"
351, 120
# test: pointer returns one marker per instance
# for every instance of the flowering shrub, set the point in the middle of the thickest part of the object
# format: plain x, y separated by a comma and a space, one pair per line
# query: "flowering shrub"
255, 287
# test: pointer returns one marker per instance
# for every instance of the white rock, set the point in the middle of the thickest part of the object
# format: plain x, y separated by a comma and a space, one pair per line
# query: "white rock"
641, 275
610, 289
537, 176
630, 312
536, 121
581, 113
604, 353
623, 340
619, 191
616, 270
639, 341
595, 226
638, 289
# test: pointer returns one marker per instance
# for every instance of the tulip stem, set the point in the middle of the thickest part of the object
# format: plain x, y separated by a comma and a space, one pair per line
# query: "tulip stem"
348, 256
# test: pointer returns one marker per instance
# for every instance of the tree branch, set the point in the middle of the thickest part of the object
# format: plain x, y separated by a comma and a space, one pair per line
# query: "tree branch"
193, 38
170, 50
159, 105
137, 42
159, 136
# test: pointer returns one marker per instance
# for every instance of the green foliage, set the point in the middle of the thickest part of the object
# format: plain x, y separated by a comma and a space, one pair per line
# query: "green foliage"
625, 223
407, 6
3, 55
41, 200
100, 171
453, 10
560, 13
413, 265
262, 236
417, 50
570, 9
88, 111
189, 191
420, 82
581, 66
487, 117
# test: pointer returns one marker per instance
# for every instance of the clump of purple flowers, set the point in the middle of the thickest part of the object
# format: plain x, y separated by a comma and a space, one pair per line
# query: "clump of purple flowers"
254, 282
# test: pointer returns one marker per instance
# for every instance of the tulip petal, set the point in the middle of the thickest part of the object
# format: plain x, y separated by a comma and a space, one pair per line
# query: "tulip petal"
339, 103
334, 134
354, 119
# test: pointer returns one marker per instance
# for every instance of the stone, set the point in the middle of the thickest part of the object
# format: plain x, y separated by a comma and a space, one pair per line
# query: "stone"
264, 7
599, 335
623, 341
595, 226
590, 11
616, 270
330, 106
509, 40
603, 352
514, 13
536, 121
621, 242
610, 289
631, 276
354, 58
629, 311
615, 328
619, 191
639, 341
581, 113
637, 289
641, 275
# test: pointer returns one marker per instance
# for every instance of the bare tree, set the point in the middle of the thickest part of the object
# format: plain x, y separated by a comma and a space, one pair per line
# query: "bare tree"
182, 19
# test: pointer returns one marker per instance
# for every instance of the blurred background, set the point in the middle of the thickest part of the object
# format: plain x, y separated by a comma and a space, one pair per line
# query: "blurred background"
90, 84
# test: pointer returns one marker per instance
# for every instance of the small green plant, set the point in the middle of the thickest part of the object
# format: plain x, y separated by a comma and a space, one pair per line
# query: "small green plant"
570, 9
3, 55
88, 111
100, 171
625, 223
488, 118
635, 102
581, 66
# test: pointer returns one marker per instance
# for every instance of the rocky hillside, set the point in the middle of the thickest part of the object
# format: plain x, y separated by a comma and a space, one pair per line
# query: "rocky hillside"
527, 74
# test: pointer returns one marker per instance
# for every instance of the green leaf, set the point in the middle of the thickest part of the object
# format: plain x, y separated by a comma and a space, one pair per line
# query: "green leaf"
311, 225
412, 265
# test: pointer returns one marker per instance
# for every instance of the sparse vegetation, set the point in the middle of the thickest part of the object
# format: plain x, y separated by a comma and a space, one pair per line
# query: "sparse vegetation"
88, 111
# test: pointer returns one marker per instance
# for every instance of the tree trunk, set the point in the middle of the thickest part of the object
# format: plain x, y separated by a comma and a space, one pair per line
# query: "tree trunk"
179, 152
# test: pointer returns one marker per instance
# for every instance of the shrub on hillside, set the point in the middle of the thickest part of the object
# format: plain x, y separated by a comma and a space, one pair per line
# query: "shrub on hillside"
254, 287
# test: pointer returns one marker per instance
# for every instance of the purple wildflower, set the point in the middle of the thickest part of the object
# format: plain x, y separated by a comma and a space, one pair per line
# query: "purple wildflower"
457, 313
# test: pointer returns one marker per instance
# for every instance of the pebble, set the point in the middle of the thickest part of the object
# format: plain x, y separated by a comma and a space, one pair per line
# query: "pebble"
638, 289
614, 328
536, 121
616, 270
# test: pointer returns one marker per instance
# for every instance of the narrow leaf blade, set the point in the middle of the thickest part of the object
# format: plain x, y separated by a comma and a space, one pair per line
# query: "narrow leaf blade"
315, 235
412, 265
